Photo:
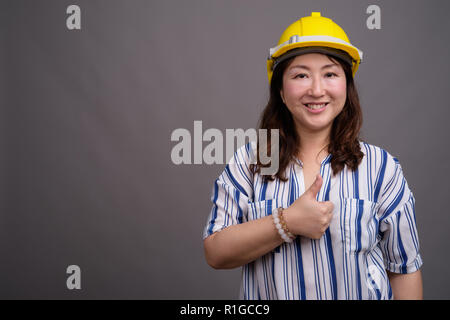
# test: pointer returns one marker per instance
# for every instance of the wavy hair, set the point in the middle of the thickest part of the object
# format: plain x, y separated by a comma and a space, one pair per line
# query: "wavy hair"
344, 136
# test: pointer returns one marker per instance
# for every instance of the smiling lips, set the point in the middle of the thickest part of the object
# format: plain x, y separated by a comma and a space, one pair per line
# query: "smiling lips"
316, 107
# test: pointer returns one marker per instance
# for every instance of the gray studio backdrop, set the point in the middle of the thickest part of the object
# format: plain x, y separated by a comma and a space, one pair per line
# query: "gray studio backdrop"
87, 177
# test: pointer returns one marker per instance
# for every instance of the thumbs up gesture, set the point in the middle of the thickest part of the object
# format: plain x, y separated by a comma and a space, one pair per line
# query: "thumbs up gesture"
308, 217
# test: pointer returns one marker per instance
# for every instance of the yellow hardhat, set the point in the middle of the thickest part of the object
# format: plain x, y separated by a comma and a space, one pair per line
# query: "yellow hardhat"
313, 34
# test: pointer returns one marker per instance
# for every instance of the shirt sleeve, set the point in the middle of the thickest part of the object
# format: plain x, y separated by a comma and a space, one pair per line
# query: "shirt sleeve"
231, 192
398, 231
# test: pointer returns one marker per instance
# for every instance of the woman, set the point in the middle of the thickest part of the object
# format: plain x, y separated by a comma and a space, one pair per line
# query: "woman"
337, 220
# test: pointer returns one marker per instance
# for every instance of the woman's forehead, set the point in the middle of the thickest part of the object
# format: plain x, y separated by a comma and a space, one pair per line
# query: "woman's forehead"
313, 60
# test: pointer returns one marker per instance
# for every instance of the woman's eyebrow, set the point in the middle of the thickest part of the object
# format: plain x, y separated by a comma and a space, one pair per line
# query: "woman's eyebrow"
301, 66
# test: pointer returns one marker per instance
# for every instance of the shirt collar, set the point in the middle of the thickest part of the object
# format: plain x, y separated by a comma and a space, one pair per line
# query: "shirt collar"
324, 161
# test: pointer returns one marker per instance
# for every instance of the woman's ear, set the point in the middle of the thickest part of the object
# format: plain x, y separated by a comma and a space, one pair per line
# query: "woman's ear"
282, 96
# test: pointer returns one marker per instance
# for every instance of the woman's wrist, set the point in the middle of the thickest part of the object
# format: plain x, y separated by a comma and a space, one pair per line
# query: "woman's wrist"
280, 223
287, 216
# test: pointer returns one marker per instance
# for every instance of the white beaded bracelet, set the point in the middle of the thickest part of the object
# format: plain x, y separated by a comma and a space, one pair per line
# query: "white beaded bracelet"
280, 229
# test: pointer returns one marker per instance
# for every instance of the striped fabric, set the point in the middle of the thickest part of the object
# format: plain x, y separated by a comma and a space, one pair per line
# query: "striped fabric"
373, 228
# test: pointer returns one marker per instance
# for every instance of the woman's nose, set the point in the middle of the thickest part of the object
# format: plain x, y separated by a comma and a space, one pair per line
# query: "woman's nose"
316, 89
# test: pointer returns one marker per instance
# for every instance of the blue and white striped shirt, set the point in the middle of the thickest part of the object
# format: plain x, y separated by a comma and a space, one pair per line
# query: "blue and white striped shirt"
373, 228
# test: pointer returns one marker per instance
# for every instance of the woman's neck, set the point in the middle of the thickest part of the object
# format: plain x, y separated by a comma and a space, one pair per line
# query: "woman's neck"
313, 145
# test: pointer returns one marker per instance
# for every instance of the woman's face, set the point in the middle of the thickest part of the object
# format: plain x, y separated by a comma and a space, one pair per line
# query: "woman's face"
314, 90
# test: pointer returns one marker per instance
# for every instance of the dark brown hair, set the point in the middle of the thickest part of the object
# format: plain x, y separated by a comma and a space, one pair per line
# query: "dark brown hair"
344, 136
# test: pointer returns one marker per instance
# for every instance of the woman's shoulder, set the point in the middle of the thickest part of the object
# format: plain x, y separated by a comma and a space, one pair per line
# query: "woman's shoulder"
378, 154
244, 154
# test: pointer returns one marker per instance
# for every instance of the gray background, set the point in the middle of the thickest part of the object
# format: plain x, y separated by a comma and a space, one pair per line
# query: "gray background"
86, 118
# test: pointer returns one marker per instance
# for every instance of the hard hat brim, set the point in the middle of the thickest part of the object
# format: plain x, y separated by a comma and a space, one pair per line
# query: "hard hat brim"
316, 49
314, 41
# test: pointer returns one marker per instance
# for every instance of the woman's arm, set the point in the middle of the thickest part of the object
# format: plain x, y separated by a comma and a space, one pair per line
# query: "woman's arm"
406, 286
240, 244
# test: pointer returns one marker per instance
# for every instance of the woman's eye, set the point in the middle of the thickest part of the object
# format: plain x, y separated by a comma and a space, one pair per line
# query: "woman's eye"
301, 76
330, 74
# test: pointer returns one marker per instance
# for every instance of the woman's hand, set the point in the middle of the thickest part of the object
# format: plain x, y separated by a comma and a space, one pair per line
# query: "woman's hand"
308, 217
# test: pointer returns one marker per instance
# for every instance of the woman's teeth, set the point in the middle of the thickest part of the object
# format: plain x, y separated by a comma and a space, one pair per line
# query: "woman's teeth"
316, 106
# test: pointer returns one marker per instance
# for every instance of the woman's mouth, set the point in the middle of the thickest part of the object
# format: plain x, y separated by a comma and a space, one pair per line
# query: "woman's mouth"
316, 107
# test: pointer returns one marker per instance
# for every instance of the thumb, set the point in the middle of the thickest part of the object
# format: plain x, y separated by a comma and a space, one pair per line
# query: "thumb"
315, 187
